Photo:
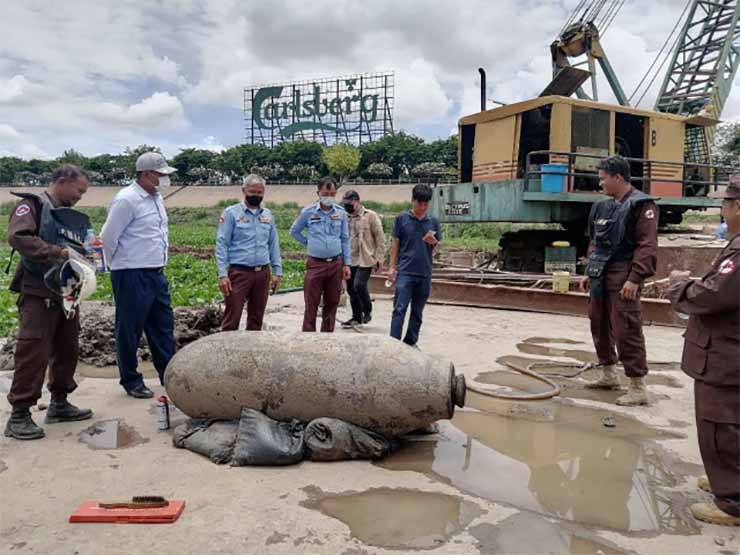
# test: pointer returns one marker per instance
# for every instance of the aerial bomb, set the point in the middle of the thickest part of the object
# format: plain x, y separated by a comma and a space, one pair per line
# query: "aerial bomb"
373, 381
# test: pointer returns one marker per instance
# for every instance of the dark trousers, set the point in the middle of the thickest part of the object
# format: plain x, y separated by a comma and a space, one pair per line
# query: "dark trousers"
719, 442
142, 304
359, 296
46, 338
252, 288
412, 290
618, 322
322, 278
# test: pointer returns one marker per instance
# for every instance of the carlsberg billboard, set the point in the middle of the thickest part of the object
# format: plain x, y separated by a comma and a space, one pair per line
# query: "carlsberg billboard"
349, 109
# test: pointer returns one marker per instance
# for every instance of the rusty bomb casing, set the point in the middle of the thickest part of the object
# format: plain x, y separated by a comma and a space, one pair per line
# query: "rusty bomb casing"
372, 381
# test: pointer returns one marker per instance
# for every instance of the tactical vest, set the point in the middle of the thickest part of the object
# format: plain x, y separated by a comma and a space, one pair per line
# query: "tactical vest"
61, 226
610, 219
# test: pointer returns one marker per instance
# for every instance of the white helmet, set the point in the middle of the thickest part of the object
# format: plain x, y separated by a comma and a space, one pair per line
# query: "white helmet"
77, 282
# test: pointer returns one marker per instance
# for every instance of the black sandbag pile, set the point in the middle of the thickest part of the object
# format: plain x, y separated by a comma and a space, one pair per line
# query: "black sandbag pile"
257, 440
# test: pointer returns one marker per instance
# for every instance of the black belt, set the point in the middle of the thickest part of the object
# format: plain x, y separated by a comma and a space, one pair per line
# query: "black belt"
247, 268
157, 270
332, 259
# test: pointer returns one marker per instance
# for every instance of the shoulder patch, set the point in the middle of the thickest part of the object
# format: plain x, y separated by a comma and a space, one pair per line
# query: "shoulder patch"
727, 267
650, 214
22, 210
221, 219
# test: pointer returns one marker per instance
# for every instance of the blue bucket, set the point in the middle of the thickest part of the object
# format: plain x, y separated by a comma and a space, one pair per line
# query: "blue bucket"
553, 178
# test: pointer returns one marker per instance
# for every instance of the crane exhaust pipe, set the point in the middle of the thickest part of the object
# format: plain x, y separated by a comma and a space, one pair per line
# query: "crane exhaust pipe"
482, 89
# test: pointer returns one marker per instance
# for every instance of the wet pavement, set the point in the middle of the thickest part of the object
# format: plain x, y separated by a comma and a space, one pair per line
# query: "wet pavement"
111, 434
397, 518
573, 466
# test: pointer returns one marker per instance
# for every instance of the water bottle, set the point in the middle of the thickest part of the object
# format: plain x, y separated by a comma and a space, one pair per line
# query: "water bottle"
94, 250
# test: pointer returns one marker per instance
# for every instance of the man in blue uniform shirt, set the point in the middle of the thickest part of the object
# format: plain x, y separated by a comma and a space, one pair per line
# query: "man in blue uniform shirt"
328, 261
247, 246
135, 238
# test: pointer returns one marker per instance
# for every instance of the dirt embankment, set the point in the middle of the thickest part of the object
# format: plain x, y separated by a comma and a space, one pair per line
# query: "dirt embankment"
97, 333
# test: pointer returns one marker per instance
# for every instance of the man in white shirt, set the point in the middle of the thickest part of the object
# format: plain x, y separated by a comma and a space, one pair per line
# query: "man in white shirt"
135, 239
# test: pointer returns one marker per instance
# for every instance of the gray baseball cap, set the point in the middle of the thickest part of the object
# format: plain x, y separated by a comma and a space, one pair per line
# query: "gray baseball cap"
153, 162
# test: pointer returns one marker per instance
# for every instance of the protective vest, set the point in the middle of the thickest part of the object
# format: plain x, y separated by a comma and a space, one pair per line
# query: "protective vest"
609, 220
61, 226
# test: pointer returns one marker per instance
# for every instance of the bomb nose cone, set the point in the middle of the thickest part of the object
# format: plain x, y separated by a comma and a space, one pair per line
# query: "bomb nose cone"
458, 390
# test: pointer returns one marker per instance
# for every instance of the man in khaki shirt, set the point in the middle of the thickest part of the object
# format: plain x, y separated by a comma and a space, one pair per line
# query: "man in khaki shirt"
367, 243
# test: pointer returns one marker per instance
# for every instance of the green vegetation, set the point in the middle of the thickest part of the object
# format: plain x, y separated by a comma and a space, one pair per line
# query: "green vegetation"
192, 269
397, 155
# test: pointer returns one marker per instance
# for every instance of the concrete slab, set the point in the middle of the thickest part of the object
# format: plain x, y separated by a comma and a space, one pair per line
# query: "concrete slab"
265, 510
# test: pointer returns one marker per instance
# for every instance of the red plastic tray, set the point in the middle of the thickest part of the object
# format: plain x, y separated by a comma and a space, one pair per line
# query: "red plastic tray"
89, 511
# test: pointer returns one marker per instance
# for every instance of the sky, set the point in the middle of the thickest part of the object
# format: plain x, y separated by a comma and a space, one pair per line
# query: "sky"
100, 76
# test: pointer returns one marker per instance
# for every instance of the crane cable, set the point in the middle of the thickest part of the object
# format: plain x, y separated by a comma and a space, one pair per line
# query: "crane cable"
657, 57
572, 16
607, 22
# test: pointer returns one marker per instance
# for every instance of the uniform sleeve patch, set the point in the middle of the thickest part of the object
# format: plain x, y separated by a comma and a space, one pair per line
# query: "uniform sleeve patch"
727, 267
22, 210
220, 220
650, 214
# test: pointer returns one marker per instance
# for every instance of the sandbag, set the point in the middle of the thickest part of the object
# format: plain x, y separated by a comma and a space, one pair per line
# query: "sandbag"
263, 441
213, 438
329, 439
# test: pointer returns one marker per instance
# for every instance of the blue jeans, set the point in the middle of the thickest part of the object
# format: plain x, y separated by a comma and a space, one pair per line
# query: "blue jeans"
414, 290
142, 304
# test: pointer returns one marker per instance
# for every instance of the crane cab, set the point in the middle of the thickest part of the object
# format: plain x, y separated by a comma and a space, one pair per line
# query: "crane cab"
554, 144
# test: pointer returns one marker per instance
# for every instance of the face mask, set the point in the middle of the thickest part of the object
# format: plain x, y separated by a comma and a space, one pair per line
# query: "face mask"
164, 181
350, 208
326, 201
254, 200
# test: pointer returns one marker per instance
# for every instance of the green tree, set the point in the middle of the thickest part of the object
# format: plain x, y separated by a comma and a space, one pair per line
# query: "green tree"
292, 153
71, 156
379, 170
443, 151
342, 160
193, 164
400, 151
726, 150
9, 167
430, 169
237, 161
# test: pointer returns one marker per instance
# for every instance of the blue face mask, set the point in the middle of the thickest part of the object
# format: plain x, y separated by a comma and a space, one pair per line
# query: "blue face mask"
326, 202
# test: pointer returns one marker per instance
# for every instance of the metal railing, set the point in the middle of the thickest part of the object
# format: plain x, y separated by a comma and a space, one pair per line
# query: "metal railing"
695, 185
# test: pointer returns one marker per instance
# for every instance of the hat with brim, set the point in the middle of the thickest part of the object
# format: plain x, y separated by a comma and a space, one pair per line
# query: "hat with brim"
731, 192
153, 162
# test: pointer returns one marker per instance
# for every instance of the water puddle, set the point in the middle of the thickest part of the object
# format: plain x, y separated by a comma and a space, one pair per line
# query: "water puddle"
526, 533
111, 434
396, 518
111, 372
541, 346
557, 460
516, 383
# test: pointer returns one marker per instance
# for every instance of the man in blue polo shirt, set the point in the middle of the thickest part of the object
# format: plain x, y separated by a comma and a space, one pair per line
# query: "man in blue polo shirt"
247, 245
415, 236
328, 261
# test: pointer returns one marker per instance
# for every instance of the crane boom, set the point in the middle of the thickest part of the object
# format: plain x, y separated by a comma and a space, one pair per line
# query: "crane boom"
702, 70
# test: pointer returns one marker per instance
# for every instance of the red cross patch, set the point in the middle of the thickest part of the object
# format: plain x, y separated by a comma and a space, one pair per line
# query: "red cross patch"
650, 214
22, 210
727, 267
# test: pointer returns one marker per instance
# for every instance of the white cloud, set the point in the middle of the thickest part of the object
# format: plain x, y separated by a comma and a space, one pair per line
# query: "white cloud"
159, 111
14, 143
171, 73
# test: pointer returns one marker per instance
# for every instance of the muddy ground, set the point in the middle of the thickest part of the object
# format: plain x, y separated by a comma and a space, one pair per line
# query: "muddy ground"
570, 476
97, 333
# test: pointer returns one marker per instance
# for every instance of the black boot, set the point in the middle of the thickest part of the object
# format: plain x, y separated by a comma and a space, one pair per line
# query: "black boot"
21, 426
60, 410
